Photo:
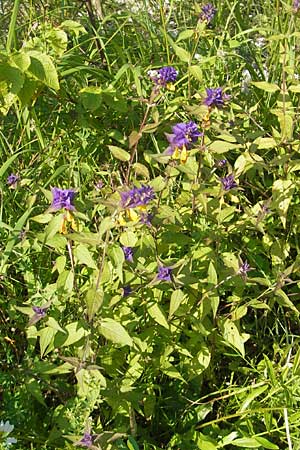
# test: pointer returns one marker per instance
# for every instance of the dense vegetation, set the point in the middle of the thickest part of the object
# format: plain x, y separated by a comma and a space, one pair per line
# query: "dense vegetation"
149, 291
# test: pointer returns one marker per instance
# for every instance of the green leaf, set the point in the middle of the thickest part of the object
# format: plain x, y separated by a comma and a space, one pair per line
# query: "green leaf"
176, 299
75, 332
254, 392
58, 40
182, 54
212, 279
128, 239
93, 300
246, 442
83, 256
46, 340
33, 387
185, 34
283, 191
132, 444
158, 315
74, 27
196, 72
119, 153
232, 335
266, 444
222, 146
294, 88
43, 69
91, 97
265, 143
21, 60
13, 77
265, 86
114, 331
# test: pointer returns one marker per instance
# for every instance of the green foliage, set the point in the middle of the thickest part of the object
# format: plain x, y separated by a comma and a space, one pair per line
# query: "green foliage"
99, 345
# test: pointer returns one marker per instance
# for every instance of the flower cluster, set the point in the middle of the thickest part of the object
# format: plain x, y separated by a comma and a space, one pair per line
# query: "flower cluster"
63, 198
164, 76
208, 12
215, 97
182, 139
12, 180
137, 197
5, 429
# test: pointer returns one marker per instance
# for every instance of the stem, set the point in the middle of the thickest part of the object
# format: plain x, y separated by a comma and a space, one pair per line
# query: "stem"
12, 26
102, 259
134, 148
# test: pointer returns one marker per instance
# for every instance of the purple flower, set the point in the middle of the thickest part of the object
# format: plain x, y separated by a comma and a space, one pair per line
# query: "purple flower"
182, 138
228, 182
164, 273
87, 440
221, 163
215, 97
184, 134
137, 197
163, 76
127, 291
128, 253
39, 313
12, 180
244, 268
296, 6
99, 185
208, 12
63, 198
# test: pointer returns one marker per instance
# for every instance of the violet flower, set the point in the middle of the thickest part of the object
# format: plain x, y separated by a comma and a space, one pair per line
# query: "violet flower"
39, 313
87, 440
63, 198
137, 197
228, 182
163, 76
208, 12
12, 180
126, 291
128, 253
215, 97
164, 273
244, 268
184, 134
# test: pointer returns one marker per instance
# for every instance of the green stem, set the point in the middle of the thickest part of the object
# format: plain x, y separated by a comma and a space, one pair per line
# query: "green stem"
12, 26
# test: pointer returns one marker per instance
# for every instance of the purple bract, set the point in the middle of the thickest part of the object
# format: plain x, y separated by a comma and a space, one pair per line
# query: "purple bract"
184, 134
126, 291
228, 182
244, 268
296, 5
208, 12
128, 253
215, 97
137, 197
87, 440
63, 198
163, 76
164, 273
12, 179
40, 311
